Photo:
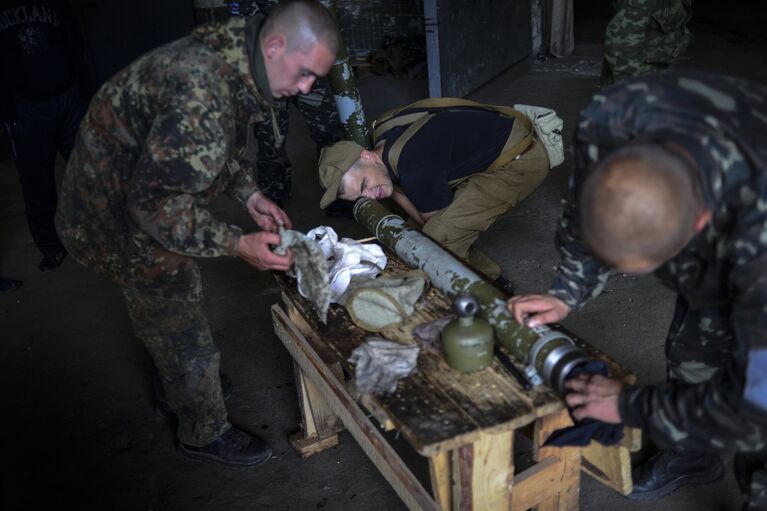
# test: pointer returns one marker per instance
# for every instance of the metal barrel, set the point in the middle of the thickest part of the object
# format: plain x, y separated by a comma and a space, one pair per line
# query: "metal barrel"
345, 92
553, 354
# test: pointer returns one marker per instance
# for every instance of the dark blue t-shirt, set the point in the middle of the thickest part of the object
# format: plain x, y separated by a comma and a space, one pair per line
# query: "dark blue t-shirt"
39, 46
451, 145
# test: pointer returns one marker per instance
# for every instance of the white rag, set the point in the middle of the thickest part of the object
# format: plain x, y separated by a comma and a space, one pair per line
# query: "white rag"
347, 258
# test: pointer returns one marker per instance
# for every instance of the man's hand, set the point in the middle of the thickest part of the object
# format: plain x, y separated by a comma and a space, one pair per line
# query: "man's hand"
594, 396
266, 213
534, 310
254, 249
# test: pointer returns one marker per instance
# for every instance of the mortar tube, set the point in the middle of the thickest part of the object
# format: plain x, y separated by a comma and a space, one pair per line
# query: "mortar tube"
345, 91
452, 277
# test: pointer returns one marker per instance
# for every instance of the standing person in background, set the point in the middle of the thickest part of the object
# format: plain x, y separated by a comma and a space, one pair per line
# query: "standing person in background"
644, 36
41, 105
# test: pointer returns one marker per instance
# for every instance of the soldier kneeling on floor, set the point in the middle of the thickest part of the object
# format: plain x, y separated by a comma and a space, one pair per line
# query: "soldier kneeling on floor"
454, 166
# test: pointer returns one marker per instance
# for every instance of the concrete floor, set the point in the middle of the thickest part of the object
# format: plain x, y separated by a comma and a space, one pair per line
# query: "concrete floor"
78, 425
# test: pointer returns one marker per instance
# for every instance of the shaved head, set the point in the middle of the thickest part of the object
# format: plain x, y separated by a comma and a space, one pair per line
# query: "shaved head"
639, 206
303, 23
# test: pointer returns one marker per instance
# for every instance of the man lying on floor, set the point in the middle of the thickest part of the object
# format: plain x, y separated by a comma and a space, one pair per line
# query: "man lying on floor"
453, 165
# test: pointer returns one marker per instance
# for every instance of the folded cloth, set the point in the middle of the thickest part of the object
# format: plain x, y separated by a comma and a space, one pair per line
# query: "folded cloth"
347, 258
380, 364
586, 430
309, 267
375, 304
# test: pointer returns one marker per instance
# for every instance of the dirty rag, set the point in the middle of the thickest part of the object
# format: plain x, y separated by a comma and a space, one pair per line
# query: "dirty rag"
586, 430
309, 267
375, 304
347, 258
428, 334
380, 364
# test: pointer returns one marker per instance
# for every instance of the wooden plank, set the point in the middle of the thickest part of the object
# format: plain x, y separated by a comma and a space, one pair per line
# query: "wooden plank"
633, 439
533, 486
483, 473
373, 406
441, 480
566, 490
364, 432
325, 421
308, 426
610, 465
307, 447
300, 321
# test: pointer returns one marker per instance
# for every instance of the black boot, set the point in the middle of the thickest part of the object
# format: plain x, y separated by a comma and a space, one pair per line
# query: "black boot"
9, 285
668, 470
235, 447
51, 260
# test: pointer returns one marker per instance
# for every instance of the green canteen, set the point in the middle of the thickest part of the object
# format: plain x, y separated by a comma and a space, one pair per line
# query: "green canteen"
467, 340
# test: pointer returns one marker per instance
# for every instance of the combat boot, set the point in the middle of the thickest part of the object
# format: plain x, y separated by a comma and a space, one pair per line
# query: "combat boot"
235, 447
668, 470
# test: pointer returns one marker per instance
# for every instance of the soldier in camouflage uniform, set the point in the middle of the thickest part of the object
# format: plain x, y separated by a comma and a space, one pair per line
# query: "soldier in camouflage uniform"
644, 36
318, 109
710, 130
161, 140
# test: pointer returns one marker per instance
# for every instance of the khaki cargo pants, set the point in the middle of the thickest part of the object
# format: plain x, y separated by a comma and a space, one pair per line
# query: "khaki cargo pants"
480, 200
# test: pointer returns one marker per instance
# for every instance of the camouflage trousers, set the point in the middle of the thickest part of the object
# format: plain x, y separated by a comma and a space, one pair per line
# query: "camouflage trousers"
699, 343
644, 36
178, 338
318, 108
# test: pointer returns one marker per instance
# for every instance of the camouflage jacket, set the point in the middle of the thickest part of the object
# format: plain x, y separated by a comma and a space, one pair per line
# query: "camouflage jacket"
645, 35
722, 122
161, 140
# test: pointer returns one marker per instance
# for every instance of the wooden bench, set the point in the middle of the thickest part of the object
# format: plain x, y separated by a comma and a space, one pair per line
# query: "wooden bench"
464, 424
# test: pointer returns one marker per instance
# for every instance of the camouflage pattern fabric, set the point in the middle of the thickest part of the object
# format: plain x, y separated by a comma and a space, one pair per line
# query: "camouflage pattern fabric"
716, 397
318, 108
161, 140
644, 36
178, 338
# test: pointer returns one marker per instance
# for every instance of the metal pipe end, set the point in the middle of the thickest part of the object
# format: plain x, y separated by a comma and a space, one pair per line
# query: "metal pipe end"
559, 363
465, 305
357, 206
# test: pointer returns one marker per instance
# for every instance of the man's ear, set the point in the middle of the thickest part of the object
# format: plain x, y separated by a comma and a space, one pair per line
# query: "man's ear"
704, 217
273, 45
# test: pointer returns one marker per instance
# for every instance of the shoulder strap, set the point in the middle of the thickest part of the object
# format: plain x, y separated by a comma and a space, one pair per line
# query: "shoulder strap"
399, 144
